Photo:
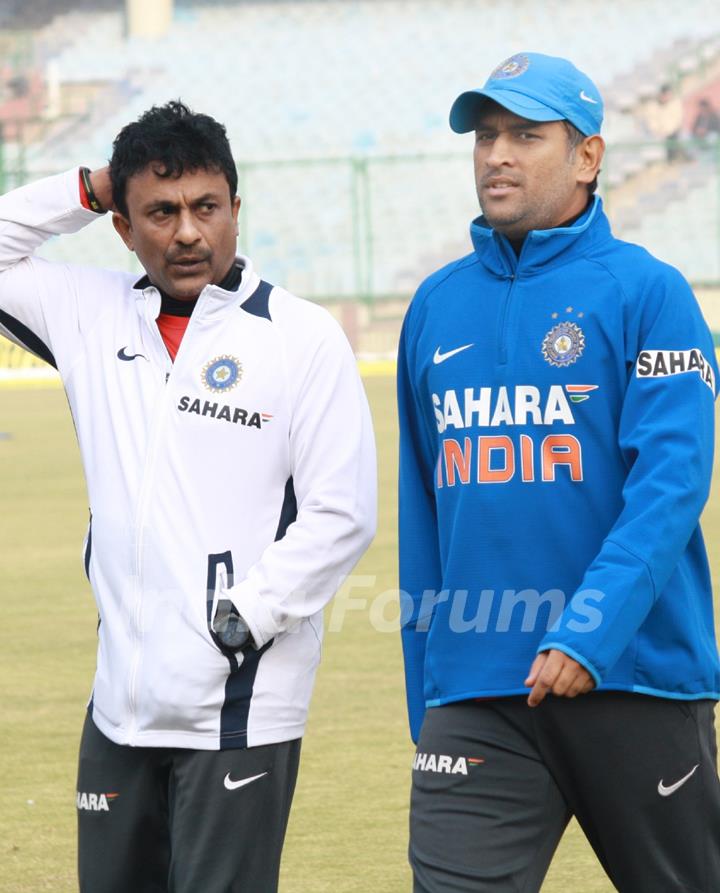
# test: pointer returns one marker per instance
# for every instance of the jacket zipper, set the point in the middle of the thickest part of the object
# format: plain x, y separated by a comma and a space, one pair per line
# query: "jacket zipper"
503, 346
143, 500
512, 277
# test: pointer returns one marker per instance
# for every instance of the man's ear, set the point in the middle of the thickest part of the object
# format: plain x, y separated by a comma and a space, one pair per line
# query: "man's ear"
236, 202
591, 152
123, 229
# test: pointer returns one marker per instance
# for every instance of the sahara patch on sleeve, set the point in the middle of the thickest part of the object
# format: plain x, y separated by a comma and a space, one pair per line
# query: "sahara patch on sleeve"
661, 363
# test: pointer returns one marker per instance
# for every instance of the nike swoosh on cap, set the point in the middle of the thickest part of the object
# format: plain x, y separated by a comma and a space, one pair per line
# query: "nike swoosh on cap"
586, 98
670, 789
240, 783
441, 357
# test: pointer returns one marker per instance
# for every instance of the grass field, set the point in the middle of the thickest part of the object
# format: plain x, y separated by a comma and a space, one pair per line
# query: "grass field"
348, 828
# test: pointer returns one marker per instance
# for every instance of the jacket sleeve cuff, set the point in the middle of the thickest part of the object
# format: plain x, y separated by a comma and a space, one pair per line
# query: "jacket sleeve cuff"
604, 615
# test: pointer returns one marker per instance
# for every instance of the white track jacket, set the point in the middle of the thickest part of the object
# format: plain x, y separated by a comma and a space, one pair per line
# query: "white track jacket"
245, 469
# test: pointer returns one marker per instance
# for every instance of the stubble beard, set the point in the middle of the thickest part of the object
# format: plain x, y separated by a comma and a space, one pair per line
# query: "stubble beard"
530, 213
510, 223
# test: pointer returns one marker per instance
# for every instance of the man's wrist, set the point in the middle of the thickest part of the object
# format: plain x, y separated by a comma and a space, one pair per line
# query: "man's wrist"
96, 189
88, 198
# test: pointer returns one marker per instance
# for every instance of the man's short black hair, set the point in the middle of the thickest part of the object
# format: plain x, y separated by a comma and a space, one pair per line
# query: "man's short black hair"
177, 140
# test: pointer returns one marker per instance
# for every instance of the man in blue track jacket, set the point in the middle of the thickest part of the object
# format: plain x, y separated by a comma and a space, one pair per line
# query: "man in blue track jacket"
556, 395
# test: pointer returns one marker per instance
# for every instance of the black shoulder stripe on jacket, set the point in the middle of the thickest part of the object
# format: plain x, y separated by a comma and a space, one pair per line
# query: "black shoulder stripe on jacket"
258, 304
27, 338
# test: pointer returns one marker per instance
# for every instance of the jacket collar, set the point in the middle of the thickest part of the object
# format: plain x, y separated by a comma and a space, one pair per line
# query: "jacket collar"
541, 246
212, 299
230, 283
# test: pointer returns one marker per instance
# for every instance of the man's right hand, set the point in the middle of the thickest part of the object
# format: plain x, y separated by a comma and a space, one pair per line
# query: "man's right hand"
102, 187
554, 672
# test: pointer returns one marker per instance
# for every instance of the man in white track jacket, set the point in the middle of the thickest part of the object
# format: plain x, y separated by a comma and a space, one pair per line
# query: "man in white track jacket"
229, 458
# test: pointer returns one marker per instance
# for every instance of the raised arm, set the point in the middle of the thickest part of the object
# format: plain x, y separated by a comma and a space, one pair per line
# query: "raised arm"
39, 300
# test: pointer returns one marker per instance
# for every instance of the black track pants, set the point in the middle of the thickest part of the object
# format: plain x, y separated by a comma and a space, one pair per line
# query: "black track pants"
495, 783
169, 820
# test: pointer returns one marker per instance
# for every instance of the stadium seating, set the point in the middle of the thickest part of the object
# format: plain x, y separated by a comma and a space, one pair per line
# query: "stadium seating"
317, 78
369, 80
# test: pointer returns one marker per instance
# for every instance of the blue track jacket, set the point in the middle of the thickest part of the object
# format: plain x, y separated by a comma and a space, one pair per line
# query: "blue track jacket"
556, 440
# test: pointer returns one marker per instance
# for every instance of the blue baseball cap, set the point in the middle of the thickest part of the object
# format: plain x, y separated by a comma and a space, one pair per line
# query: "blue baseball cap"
536, 87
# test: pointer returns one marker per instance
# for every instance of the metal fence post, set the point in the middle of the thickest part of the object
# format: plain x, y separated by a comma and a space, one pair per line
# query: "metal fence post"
717, 209
3, 177
355, 165
368, 227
